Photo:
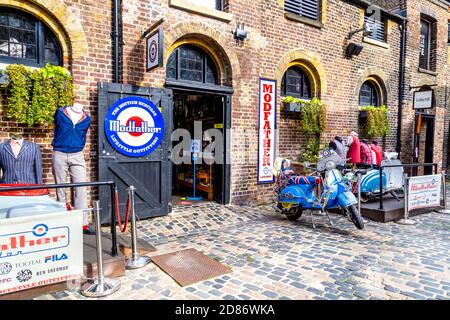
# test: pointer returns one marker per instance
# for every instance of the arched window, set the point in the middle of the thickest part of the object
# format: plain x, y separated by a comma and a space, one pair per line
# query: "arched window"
26, 40
296, 83
190, 63
368, 95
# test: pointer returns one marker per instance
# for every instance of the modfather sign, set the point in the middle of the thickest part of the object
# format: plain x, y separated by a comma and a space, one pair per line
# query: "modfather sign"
40, 250
266, 129
134, 126
424, 192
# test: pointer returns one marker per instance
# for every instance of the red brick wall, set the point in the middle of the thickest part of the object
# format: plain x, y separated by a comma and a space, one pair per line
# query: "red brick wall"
271, 38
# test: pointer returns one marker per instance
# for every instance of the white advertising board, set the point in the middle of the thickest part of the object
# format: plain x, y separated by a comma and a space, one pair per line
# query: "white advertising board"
423, 99
40, 250
424, 192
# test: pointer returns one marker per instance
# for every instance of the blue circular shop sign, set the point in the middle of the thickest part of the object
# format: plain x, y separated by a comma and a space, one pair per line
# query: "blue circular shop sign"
134, 126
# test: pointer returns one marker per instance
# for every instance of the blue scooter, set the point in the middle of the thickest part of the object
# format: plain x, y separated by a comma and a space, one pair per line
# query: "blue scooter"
299, 193
392, 180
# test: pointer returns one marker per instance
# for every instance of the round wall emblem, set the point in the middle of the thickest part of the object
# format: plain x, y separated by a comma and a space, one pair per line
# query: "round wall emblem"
134, 126
152, 52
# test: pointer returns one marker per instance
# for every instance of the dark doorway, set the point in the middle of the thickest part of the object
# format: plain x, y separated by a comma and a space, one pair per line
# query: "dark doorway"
203, 115
424, 142
429, 144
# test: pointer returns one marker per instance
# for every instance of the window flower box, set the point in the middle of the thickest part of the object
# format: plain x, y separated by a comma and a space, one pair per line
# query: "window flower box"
291, 104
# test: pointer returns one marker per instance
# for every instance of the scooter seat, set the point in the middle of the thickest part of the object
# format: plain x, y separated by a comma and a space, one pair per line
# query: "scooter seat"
362, 172
303, 180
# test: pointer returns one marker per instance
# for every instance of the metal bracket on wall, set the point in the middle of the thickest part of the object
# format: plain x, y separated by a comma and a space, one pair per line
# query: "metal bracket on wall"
418, 87
152, 27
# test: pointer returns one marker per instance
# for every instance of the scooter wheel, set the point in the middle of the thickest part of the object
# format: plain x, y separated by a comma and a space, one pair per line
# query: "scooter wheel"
364, 198
355, 215
294, 214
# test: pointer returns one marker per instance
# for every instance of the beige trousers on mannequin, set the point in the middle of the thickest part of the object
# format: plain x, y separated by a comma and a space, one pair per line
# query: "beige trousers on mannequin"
72, 164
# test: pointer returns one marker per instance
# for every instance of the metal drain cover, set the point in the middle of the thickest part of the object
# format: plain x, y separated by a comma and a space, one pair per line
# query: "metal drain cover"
190, 266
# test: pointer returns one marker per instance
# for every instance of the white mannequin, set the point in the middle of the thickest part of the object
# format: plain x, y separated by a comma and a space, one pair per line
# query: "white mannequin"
75, 112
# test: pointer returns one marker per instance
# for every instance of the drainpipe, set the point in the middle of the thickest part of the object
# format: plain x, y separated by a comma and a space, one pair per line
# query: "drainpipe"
401, 85
116, 36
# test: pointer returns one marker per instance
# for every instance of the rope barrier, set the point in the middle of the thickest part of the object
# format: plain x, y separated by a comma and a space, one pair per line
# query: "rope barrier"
123, 227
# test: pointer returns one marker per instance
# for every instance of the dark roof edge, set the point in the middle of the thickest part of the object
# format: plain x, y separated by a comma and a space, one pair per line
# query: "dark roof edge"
366, 4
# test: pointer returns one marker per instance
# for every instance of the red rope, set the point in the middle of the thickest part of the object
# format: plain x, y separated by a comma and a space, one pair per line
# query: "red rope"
123, 227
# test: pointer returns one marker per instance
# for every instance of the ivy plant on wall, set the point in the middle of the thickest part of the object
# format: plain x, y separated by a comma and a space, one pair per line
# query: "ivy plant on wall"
314, 117
19, 89
34, 96
377, 123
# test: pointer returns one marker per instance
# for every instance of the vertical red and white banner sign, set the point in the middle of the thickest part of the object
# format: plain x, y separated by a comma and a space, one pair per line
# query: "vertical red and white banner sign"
267, 129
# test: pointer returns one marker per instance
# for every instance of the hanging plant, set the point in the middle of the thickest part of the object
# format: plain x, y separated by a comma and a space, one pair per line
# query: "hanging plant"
314, 117
19, 86
377, 123
35, 95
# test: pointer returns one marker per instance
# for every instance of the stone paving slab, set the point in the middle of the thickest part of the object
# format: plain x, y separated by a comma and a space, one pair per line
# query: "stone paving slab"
273, 258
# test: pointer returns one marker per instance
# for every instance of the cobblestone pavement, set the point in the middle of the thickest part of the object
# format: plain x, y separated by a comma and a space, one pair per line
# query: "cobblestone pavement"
273, 258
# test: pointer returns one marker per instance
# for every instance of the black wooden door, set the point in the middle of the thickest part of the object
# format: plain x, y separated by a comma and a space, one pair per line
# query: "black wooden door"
150, 175
224, 170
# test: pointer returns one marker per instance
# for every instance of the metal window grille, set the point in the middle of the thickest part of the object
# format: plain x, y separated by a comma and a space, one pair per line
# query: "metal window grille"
378, 27
305, 8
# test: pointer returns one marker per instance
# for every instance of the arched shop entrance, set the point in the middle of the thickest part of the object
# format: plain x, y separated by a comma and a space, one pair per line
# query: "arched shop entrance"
202, 107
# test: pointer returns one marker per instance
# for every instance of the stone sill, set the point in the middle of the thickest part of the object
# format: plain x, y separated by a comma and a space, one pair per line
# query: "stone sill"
431, 73
4, 65
204, 11
376, 43
308, 21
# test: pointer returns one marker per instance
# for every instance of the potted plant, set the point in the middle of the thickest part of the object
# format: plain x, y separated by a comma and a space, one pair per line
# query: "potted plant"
292, 104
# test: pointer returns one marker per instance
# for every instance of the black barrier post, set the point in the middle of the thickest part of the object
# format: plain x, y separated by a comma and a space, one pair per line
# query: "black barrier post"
381, 187
113, 190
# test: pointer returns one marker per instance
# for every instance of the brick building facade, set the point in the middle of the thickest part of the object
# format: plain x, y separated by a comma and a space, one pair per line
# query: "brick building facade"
276, 41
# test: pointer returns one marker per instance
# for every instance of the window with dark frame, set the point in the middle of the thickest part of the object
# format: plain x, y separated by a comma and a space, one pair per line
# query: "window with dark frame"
378, 27
296, 83
190, 63
304, 8
424, 45
26, 40
368, 95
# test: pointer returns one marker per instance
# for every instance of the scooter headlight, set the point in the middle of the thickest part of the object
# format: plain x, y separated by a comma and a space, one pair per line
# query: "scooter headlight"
330, 165
349, 176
